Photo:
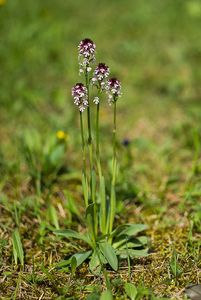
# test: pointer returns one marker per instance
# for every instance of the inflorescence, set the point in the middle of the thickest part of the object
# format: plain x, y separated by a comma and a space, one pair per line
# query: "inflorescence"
80, 96
113, 90
86, 58
86, 55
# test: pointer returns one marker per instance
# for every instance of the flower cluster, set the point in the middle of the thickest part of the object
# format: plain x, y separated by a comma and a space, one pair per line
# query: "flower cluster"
80, 96
86, 55
101, 73
112, 87
113, 90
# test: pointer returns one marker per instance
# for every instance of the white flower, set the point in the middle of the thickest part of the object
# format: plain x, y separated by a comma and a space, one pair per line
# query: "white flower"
96, 100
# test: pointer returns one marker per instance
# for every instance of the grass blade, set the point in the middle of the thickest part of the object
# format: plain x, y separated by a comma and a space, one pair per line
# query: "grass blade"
53, 216
18, 252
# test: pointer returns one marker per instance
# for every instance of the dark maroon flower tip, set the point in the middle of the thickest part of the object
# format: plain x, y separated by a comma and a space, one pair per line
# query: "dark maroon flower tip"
101, 72
86, 48
114, 89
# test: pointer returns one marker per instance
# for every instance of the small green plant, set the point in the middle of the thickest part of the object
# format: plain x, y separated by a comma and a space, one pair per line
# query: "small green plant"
106, 242
18, 252
140, 292
44, 157
175, 267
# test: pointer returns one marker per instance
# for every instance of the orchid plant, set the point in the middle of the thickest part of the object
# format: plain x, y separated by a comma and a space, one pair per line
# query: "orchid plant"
106, 243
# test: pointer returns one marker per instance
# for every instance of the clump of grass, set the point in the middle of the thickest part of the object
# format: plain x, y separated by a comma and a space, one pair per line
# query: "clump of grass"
44, 157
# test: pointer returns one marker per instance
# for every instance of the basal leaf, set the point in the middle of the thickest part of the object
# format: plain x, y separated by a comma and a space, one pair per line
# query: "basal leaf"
110, 255
73, 264
132, 253
68, 233
81, 257
131, 243
94, 264
131, 290
62, 264
106, 295
90, 217
129, 229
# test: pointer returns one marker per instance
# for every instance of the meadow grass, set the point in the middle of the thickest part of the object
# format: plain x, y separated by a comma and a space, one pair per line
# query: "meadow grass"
154, 47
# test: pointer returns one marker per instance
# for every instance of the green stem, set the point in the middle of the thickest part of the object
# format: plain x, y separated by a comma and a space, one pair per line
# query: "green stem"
88, 110
98, 141
114, 167
90, 147
128, 260
97, 130
114, 130
83, 144
89, 129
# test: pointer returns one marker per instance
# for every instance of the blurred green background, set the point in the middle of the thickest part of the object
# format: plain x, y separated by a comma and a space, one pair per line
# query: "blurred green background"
153, 46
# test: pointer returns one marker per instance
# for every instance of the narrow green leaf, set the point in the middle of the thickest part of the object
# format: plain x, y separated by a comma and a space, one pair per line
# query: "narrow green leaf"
62, 264
112, 208
71, 204
68, 233
133, 229
102, 205
130, 290
73, 265
122, 243
106, 295
174, 265
53, 216
129, 229
17, 247
110, 255
132, 253
90, 218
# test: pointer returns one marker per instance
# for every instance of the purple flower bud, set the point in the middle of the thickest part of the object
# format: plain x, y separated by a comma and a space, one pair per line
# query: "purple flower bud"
113, 89
80, 96
86, 50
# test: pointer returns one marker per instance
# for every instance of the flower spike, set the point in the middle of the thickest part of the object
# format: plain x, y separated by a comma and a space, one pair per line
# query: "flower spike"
113, 90
79, 93
86, 55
